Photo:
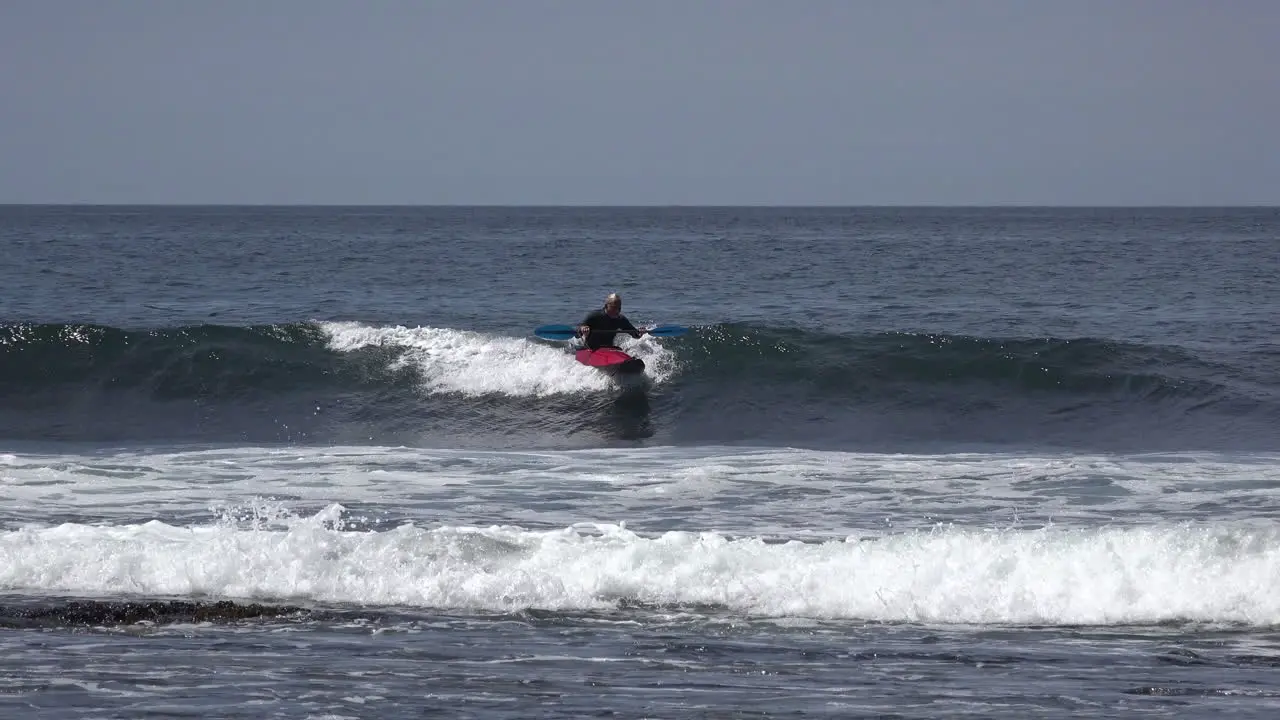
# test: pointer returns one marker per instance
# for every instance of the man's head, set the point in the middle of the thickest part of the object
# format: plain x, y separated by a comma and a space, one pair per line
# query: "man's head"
613, 305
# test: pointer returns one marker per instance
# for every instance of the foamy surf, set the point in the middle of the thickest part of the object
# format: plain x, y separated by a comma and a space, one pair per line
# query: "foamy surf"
781, 492
473, 363
1096, 576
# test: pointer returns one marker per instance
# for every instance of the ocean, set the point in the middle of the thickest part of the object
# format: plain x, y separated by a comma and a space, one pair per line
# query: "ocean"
311, 462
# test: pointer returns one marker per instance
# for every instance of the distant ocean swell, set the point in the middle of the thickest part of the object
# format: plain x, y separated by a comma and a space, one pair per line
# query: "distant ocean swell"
441, 373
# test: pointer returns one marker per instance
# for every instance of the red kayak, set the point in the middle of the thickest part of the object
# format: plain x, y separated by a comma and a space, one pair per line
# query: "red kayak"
611, 360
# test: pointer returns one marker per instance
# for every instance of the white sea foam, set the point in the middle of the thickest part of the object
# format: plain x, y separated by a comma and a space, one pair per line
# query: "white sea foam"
472, 363
779, 492
1099, 576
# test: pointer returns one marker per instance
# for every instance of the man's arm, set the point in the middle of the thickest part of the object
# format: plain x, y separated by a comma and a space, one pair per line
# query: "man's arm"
584, 327
629, 328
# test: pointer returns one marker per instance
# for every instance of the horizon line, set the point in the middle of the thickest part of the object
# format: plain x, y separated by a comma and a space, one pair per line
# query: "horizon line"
587, 206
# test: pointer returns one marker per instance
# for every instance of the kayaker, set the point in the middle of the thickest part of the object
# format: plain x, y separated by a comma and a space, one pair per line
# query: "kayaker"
601, 325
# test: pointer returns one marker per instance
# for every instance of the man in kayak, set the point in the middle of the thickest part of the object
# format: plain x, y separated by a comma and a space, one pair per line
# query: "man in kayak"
601, 325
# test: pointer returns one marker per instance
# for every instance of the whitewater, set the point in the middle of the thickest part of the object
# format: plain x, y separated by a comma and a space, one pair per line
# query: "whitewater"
1063, 540
1096, 577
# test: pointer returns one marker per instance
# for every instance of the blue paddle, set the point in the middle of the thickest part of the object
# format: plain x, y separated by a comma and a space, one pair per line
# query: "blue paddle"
568, 332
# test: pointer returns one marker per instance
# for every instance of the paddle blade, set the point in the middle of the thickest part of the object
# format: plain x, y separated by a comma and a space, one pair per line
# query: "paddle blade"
556, 332
668, 331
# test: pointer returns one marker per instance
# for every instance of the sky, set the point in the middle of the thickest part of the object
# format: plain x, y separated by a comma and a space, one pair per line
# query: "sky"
640, 102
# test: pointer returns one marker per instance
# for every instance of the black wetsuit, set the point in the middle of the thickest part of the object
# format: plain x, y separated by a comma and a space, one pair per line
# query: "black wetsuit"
603, 328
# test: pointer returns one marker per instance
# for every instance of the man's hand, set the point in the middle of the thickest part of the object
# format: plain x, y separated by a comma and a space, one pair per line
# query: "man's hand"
584, 330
